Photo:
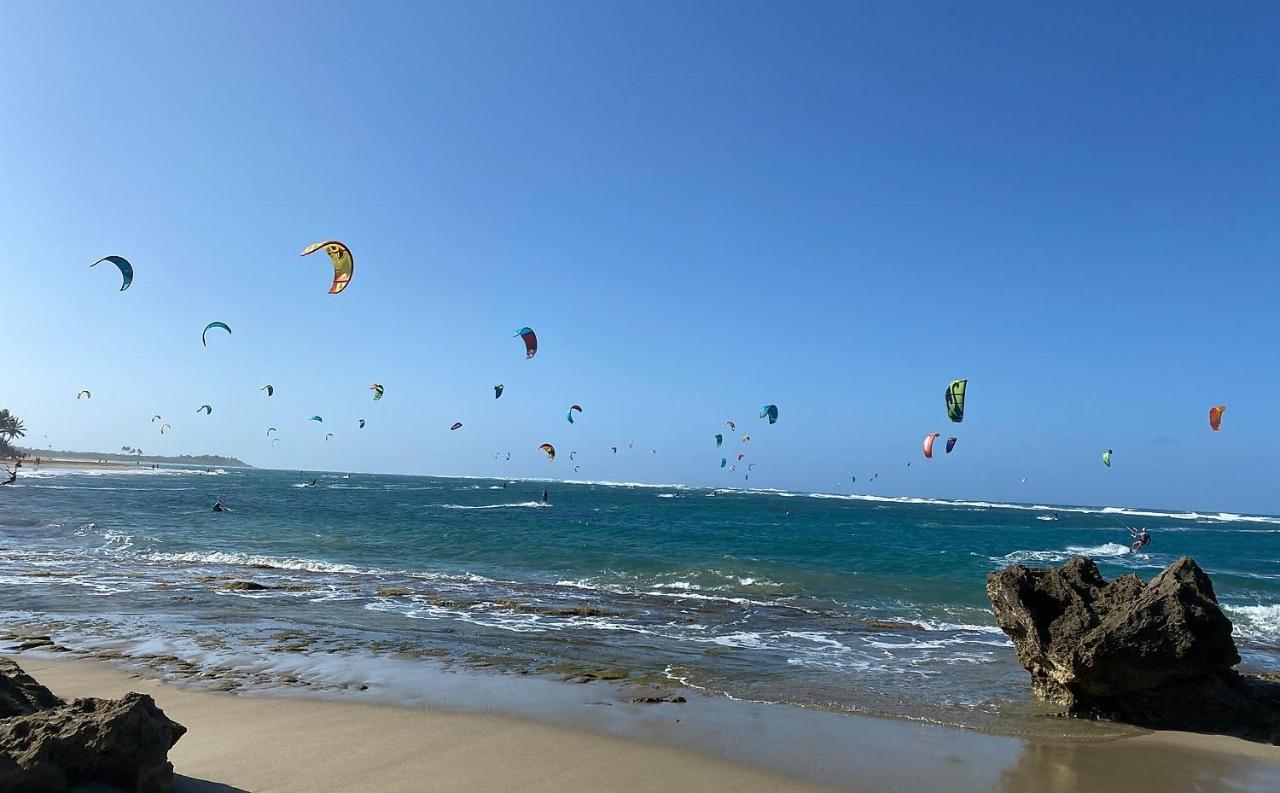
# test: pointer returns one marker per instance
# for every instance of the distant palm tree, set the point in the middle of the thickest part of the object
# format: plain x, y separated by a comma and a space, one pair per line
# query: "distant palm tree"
11, 427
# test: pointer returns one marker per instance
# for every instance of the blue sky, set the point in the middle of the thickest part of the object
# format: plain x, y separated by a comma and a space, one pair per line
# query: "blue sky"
699, 207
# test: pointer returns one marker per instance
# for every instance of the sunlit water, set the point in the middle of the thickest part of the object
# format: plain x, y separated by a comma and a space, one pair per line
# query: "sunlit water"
845, 603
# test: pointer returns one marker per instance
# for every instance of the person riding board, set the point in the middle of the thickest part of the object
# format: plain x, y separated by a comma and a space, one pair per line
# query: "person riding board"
1141, 537
545, 499
218, 506
13, 476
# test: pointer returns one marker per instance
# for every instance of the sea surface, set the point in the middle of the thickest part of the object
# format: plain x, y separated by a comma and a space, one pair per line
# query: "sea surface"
842, 603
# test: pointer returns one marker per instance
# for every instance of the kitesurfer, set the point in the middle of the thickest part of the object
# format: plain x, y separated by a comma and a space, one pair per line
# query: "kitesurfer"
545, 499
1141, 537
218, 506
13, 476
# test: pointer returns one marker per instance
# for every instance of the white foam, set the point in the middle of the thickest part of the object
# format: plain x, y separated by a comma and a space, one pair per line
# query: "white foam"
244, 560
493, 506
1257, 623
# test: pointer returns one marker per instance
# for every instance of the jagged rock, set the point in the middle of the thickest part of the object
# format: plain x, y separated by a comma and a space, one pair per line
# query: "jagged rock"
1158, 654
54, 746
20, 694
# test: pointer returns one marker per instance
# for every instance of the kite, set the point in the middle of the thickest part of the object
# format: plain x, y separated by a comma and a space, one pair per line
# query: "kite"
126, 269
361, 423
155, 418
955, 400
165, 426
457, 425
497, 390
732, 427
951, 444
508, 457
769, 412
271, 430
550, 450
344, 264
203, 340
751, 467
722, 462
569, 413
208, 409
719, 440
84, 394
328, 435
316, 418
530, 341
928, 445
576, 468
270, 389
1215, 417
377, 390
1106, 458
571, 454
274, 441
740, 456
614, 448
746, 439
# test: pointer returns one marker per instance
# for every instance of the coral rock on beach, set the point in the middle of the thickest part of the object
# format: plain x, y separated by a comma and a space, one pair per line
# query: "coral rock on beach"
1158, 654
48, 745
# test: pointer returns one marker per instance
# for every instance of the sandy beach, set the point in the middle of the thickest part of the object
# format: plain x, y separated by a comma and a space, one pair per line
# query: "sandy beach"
267, 744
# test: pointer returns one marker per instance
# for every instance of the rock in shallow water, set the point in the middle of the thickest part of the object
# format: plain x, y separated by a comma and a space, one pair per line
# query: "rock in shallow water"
53, 747
1158, 654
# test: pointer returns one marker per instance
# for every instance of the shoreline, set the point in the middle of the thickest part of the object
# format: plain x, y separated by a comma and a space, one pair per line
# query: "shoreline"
590, 744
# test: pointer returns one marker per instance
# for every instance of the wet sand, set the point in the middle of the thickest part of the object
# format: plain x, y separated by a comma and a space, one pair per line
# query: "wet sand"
271, 743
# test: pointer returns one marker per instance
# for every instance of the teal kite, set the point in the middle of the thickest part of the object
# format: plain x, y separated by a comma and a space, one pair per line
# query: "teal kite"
316, 418
769, 412
208, 409
569, 413
1106, 458
719, 440
377, 390
203, 340
126, 269
269, 389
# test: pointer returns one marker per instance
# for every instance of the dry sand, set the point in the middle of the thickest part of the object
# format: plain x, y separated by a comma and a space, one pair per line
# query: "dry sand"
267, 744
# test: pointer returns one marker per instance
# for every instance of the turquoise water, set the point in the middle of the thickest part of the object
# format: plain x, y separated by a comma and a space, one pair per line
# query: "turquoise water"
845, 603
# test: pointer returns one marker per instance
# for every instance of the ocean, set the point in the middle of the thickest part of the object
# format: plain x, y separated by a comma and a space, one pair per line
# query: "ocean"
842, 603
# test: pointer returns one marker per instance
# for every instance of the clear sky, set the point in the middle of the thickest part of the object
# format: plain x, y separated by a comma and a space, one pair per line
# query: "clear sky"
700, 207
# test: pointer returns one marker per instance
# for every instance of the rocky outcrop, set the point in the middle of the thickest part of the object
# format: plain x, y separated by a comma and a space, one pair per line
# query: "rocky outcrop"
50, 746
1158, 654
20, 694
